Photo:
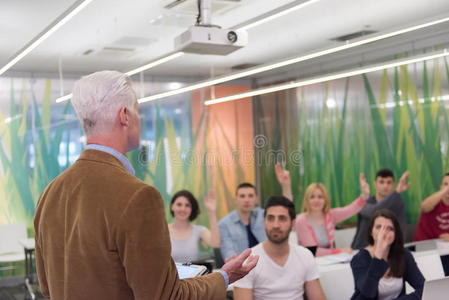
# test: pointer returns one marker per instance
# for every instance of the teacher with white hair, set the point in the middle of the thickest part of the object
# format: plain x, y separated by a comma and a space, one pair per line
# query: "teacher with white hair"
101, 232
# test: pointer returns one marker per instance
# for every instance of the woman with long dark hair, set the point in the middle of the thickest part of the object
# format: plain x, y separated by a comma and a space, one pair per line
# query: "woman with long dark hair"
381, 269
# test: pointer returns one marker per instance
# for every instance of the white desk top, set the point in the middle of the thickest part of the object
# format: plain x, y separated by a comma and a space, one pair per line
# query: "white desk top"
28, 243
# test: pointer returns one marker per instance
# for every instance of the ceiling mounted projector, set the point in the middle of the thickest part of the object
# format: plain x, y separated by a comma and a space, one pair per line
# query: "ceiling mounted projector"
211, 40
205, 38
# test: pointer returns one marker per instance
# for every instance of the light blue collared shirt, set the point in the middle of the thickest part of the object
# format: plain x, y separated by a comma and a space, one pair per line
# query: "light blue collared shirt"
122, 158
233, 233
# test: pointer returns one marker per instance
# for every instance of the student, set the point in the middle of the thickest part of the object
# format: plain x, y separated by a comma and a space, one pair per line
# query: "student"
434, 220
185, 237
386, 197
284, 271
316, 224
381, 269
243, 228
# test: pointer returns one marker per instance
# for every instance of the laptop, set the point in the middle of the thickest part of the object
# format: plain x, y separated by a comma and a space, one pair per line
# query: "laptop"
437, 289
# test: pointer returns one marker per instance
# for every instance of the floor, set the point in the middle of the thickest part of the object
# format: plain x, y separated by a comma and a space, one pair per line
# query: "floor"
15, 290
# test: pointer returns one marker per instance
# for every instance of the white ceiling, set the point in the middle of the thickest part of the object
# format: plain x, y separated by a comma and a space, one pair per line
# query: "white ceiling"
149, 29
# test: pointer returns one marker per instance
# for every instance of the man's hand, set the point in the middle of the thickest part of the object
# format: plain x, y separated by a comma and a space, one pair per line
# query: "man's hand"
444, 237
282, 175
364, 187
445, 192
403, 185
235, 268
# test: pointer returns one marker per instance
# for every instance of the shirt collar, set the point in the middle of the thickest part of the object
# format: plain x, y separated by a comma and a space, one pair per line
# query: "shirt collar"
236, 218
125, 162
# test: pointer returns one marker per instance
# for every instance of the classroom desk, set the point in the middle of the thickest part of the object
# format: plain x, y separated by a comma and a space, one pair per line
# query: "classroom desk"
435, 244
29, 246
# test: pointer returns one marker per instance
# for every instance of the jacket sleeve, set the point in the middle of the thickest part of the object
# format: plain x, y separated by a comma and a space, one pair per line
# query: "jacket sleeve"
342, 213
393, 202
143, 245
367, 272
414, 277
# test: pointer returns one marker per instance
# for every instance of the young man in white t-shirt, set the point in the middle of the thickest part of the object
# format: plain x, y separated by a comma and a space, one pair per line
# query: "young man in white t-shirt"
284, 271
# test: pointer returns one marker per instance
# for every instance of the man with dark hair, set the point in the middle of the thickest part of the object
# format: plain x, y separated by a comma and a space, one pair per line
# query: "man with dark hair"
243, 227
434, 220
386, 197
284, 271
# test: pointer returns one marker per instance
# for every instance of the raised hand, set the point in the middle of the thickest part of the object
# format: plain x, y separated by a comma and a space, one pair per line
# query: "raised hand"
238, 267
364, 187
382, 244
210, 202
282, 175
445, 191
403, 185
444, 237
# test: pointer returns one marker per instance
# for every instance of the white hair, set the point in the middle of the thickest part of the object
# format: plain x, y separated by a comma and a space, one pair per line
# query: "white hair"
98, 97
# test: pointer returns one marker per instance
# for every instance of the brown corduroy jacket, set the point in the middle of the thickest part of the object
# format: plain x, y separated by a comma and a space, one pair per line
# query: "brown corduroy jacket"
101, 234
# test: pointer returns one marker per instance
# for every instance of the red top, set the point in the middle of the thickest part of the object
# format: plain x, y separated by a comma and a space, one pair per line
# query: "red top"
432, 224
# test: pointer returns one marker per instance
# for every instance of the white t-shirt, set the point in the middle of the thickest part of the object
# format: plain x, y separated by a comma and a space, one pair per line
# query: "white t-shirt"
390, 288
269, 281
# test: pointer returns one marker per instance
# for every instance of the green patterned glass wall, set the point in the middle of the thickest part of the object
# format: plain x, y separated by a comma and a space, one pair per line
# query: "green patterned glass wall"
330, 132
40, 139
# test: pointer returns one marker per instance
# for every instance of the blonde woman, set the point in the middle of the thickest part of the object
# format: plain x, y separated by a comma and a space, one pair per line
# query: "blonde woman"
316, 224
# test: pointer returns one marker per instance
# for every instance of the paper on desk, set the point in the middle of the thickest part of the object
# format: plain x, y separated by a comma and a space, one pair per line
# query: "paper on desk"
335, 259
443, 247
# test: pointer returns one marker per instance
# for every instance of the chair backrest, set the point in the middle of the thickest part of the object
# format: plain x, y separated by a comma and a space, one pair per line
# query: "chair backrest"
429, 263
338, 284
9, 237
344, 237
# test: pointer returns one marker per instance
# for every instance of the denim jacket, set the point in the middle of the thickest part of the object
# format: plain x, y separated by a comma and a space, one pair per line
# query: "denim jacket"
234, 237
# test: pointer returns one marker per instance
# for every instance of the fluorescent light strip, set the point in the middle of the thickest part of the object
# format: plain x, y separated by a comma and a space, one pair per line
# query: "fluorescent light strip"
271, 16
315, 80
180, 53
64, 18
137, 70
287, 62
64, 98
155, 63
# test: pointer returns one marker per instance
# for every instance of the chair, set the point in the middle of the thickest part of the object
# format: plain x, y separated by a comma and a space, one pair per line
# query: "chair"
344, 237
338, 284
10, 248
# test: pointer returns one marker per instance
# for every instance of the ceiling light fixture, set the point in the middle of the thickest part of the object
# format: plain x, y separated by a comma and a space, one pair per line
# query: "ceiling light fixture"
358, 71
135, 71
291, 61
274, 14
155, 63
249, 24
47, 32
